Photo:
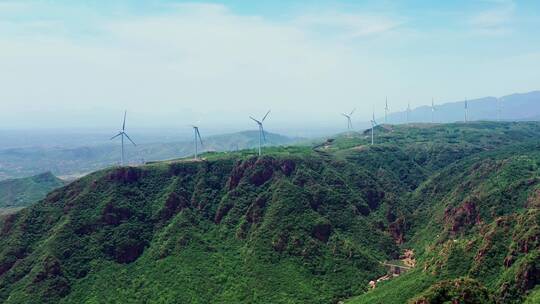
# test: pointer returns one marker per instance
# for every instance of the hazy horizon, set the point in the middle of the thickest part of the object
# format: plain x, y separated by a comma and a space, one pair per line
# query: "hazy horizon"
173, 63
515, 107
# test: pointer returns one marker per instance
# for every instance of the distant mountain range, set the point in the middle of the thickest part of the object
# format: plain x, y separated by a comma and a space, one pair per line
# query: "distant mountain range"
24, 160
515, 107
24, 191
73, 162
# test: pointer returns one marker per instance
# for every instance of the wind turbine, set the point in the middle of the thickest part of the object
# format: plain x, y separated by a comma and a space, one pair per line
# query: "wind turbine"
349, 123
466, 111
123, 133
432, 110
373, 124
262, 136
386, 109
197, 136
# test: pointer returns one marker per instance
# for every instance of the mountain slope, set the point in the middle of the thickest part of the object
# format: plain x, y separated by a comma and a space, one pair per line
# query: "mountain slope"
24, 191
298, 225
480, 219
263, 222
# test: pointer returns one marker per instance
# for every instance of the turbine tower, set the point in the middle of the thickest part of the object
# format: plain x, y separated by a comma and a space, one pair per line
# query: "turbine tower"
262, 136
466, 111
386, 109
432, 110
349, 123
373, 124
123, 133
197, 140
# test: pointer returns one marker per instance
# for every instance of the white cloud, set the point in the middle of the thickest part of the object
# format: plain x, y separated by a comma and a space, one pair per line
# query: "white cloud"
12, 6
198, 7
199, 57
495, 20
204, 60
348, 25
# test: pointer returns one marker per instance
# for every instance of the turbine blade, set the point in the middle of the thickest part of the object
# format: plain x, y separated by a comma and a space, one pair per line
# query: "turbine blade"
130, 139
345, 115
255, 120
199, 135
124, 123
352, 112
119, 133
265, 115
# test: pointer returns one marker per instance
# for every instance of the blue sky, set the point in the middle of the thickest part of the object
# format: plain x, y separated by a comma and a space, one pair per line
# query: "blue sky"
171, 63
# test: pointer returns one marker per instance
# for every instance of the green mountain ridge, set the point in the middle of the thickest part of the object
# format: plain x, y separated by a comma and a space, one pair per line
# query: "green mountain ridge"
24, 191
478, 219
301, 224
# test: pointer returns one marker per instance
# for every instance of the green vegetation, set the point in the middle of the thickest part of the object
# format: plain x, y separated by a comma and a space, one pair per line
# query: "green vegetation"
534, 297
4, 212
462, 290
25, 191
477, 218
298, 225
398, 290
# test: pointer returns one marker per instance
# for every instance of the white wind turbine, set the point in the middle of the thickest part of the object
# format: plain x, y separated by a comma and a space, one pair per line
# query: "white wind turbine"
349, 122
262, 136
197, 140
373, 125
466, 111
386, 109
123, 133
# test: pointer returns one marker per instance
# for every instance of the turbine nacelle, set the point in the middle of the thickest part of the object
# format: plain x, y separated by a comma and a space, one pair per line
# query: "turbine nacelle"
123, 133
262, 136
373, 125
197, 139
256, 121
348, 116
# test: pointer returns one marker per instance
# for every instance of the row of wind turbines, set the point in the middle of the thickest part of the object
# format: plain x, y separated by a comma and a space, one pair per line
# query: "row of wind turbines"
262, 136
408, 111
197, 134
386, 110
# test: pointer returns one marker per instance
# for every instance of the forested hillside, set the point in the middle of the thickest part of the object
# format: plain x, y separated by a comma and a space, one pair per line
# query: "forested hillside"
297, 225
475, 227
24, 191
